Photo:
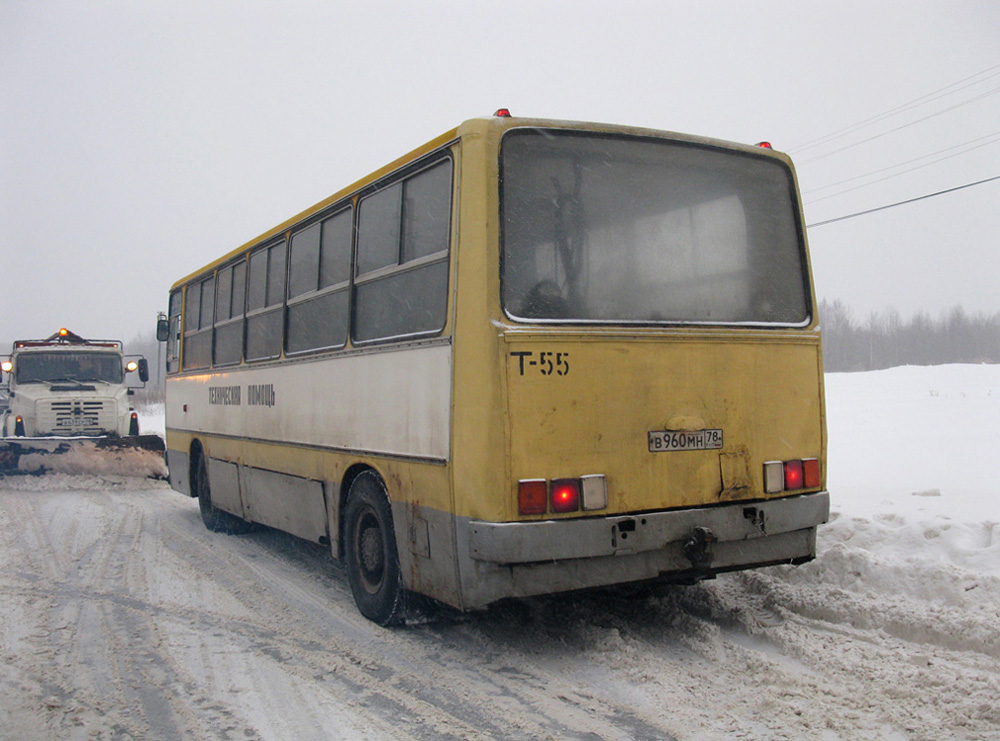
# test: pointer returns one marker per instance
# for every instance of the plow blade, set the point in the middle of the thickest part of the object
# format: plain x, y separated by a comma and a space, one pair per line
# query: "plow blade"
141, 455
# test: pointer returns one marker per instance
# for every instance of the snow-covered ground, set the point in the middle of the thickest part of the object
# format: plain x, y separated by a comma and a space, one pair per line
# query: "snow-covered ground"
122, 617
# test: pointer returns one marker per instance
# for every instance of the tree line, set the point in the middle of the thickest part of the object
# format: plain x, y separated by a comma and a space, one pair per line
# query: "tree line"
885, 339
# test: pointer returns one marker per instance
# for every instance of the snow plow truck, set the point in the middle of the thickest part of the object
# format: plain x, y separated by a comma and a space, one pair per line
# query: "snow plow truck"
68, 408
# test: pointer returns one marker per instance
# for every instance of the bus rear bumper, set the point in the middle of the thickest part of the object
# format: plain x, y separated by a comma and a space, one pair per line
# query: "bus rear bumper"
528, 558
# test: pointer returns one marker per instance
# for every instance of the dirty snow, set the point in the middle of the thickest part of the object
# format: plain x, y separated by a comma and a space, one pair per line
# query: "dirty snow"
122, 617
84, 457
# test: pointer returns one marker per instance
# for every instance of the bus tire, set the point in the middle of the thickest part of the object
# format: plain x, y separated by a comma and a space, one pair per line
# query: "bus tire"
214, 518
370, 552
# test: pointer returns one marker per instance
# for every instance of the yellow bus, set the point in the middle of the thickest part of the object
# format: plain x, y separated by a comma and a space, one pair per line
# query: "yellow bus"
530, 356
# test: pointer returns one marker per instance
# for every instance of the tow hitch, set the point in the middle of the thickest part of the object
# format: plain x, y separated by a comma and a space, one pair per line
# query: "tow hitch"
698, 547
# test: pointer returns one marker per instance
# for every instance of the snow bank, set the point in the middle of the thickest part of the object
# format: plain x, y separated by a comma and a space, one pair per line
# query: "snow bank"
84, 457
913, 545
913, 461
917, 440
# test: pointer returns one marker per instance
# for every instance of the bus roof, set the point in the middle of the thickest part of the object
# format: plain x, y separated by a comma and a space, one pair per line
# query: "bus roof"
482, 125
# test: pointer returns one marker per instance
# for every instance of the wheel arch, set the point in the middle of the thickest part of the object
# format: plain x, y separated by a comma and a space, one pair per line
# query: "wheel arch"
352, 473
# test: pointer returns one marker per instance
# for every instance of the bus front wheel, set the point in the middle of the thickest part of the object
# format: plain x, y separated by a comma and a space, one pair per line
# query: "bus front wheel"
370, 551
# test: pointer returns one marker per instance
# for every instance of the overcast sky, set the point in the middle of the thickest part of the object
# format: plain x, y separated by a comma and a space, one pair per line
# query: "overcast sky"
141, 139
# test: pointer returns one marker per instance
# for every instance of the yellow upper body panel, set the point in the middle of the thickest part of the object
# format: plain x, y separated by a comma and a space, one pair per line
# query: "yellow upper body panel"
587, 406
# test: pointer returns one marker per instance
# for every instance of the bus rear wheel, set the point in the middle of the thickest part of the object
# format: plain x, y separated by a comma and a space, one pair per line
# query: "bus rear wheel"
214, 518
370, 551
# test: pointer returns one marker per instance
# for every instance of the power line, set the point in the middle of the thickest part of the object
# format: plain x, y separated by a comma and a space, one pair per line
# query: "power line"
994, 91
901, 203
916, 102
969, 146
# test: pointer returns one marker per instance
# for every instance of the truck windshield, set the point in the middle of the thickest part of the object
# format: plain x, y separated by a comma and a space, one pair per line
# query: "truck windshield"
44, 367
616, 229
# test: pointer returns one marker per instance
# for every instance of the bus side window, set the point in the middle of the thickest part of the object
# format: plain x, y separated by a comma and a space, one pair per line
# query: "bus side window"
318, 285
230, 292
401, 277
198, 324
264, 302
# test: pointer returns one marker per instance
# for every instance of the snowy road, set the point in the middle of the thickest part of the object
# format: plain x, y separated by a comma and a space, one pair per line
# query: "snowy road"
123, 617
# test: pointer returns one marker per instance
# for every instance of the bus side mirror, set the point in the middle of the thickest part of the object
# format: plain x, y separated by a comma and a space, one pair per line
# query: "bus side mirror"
143, 370
162, 330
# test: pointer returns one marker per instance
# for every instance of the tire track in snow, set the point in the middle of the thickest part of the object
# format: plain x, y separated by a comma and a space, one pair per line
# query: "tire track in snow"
214, 636
97, 657
479, 698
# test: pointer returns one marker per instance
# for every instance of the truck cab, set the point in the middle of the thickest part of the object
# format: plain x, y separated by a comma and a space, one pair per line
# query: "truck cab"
68, 386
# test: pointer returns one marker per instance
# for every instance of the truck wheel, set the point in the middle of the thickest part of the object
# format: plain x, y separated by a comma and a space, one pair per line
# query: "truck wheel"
370, 549
215, 519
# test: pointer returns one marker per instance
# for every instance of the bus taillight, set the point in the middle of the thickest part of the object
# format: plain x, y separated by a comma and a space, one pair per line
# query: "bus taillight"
532, 496
595, 491
810, 472
791, 475
538, 496
565, 495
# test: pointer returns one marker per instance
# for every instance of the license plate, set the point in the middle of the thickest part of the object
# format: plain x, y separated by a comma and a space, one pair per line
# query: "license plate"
73, 422
666, 441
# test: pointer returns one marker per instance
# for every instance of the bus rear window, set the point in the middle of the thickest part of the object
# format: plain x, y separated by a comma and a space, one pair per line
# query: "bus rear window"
631, 230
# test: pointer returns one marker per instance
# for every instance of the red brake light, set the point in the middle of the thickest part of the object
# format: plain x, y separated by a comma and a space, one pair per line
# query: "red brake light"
565, 495
531, 496
793, 475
